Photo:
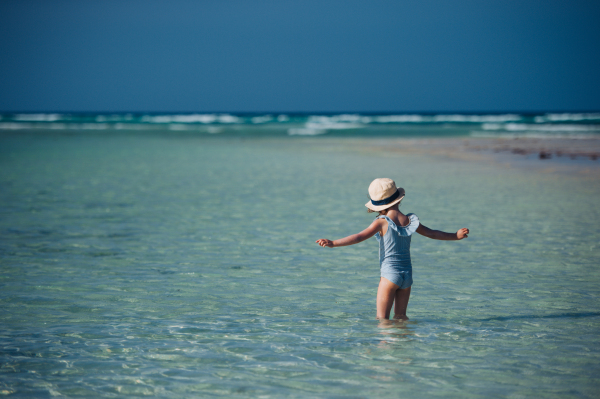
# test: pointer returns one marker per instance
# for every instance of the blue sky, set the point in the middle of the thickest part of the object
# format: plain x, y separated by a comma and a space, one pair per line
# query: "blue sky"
299, 56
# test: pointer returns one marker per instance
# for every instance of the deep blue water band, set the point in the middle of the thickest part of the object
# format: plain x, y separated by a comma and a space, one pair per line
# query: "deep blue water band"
387, 200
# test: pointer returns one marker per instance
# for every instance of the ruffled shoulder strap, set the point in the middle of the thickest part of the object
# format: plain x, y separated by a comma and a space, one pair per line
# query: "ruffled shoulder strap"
413, 225
386, 218
391, 224
403, 230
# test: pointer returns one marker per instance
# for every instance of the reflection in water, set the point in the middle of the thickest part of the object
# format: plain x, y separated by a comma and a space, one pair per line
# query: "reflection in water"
394, 331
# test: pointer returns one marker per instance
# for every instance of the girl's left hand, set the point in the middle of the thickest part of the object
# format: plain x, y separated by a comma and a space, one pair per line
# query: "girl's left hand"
324, 242
462, 233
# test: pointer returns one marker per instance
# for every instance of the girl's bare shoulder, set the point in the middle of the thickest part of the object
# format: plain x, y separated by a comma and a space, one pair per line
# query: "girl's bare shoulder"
379, 222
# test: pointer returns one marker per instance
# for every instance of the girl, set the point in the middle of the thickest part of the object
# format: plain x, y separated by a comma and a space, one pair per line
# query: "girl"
393, 230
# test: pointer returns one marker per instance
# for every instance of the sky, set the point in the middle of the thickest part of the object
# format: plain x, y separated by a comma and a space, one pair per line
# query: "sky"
299, 56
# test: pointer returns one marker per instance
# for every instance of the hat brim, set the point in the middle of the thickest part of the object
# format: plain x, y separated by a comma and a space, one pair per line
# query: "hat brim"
377, 208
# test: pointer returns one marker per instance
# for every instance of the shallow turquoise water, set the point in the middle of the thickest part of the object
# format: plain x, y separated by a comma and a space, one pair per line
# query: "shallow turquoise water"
172, 266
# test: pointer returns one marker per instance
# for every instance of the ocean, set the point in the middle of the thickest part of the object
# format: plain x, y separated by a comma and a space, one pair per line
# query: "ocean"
569, 125
174, 255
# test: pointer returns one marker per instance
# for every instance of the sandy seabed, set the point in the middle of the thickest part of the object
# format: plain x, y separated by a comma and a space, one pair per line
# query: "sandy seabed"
175, 265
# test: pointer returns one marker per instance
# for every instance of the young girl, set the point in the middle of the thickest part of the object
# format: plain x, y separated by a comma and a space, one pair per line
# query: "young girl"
393, 230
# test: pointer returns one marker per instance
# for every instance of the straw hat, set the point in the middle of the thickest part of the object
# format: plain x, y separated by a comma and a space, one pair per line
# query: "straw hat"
384, 194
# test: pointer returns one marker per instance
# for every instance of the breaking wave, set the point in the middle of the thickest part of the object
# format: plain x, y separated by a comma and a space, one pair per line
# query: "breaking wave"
315, 124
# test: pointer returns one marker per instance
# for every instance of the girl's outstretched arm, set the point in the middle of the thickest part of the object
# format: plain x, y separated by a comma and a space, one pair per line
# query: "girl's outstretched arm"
440, 235
354, 238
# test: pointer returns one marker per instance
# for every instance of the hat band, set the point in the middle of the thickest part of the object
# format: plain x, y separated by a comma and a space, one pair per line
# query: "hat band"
386, 200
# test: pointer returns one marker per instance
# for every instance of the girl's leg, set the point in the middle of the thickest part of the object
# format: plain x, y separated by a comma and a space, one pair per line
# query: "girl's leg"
385, 298
401, 299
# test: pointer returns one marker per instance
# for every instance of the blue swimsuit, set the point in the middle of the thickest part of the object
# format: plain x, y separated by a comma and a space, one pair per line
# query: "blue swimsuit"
394, 251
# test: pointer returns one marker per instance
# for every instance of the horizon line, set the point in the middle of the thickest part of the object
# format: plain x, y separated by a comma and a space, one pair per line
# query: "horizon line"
529, 112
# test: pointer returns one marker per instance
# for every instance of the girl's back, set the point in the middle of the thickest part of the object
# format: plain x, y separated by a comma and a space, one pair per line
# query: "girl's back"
399, 219
394, 244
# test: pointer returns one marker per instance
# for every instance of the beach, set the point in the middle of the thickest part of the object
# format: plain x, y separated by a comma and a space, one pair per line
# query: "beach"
575, 154
173, 264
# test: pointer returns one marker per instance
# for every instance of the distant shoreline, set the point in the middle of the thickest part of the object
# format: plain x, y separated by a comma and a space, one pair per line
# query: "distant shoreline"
580, 155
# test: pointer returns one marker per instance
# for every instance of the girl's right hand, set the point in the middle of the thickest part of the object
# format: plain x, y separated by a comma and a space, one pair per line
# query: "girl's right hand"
324, 242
